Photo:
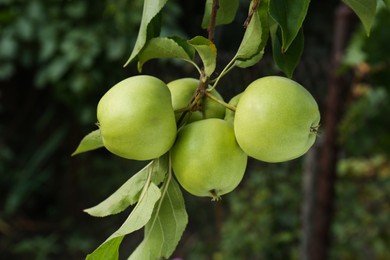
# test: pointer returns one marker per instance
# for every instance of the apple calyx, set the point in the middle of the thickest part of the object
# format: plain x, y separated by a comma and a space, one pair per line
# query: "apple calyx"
214, 195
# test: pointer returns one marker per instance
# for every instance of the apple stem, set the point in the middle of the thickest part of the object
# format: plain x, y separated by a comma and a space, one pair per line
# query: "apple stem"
209, 95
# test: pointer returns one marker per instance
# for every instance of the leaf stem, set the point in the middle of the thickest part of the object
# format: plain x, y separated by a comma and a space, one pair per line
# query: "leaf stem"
164, 190
231, 64
196, 67
147, 182
225, 70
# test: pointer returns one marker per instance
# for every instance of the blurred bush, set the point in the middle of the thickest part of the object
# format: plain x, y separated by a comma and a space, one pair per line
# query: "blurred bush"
361, 228
57, 58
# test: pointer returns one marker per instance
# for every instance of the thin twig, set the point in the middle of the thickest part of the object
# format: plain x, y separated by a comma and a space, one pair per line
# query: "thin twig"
196, 100
213, 18
252, 11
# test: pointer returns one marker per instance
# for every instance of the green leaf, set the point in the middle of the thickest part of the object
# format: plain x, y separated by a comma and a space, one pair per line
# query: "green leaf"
289, 15
207, 52
288, 60
226, 12
129, 192
150, 25
160, 169
108, 251
162, 47
255, 38
90, 142
365, 10
165, 228
122, 198
138, 218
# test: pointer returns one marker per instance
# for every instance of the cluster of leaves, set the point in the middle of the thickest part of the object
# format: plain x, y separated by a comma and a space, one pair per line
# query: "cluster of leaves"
160, 210
156, 204
160, 205
264, 18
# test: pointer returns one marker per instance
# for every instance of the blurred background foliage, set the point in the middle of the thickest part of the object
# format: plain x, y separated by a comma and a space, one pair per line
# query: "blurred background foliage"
57, 58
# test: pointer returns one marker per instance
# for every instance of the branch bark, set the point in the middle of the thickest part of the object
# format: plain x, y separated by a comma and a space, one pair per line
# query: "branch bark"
213, 19
195, 103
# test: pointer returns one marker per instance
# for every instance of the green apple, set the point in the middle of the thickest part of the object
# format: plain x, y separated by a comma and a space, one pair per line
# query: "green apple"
229, 114
136, 118
206, 158
276, 119
182, 91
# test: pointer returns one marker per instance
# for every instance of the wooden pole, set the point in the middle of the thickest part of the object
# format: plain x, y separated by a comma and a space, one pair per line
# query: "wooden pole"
318, 228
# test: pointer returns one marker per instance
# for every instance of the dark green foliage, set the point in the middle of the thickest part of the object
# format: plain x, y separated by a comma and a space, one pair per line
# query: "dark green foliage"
363, 188
57, 58
362, 208
365, 127
264, 215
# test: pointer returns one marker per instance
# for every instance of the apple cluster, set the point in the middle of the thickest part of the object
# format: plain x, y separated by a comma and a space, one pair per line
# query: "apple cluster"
274, 120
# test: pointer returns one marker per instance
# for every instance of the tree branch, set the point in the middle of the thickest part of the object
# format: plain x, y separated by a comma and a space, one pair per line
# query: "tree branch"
213, 18
252, 11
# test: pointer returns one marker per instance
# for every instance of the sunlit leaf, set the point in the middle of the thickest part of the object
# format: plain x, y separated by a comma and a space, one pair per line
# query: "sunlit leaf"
160, 169
162, 47
108, 251
365, 10
289, 15
122, 198
150, 25
137, 219
90, 142
226, 12
129, 192
207, 52
165, 228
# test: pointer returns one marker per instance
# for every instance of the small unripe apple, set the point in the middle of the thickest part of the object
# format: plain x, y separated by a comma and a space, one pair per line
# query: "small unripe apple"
276, 119
206, 158
182, 91
136, 118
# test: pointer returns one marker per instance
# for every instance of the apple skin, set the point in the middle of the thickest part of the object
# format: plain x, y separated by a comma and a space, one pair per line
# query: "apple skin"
206, 158
182, 91
136, 118
229, 114
276, 119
